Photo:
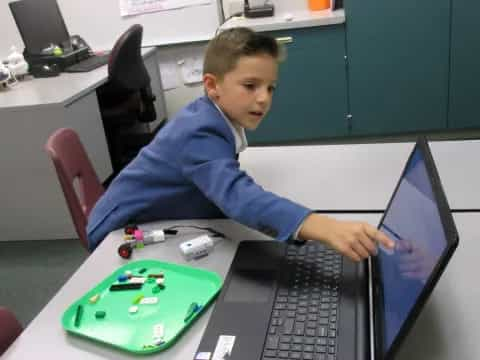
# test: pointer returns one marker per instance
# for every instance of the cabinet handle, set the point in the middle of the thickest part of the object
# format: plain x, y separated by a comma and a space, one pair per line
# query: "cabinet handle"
284, 40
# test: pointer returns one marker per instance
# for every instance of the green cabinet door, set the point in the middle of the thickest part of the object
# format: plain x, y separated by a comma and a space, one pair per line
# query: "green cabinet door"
465, 65
311, 97
398, 65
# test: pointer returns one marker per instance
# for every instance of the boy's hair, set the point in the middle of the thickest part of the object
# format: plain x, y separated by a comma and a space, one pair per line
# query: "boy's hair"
224, 50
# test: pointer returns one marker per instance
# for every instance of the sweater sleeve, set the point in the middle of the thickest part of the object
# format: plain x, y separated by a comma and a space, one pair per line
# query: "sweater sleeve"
208, 160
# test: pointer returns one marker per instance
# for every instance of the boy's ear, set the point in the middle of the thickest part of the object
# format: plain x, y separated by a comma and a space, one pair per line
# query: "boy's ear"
210, 85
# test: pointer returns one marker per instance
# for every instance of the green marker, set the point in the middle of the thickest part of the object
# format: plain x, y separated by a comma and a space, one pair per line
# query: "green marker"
78, 315
192, 309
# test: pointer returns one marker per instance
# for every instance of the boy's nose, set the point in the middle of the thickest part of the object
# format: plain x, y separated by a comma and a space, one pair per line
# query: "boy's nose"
263, 96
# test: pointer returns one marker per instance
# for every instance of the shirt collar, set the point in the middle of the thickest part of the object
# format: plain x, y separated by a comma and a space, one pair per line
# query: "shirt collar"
239, 134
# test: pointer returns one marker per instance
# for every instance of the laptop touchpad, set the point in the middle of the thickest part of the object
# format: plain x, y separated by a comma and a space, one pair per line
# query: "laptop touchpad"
251, 286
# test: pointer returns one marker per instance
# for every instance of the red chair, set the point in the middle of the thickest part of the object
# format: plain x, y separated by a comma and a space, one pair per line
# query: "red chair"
10, 328
80, 183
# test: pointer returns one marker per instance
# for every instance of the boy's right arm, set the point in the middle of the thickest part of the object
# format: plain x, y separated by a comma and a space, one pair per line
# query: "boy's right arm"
206, 160
357, 240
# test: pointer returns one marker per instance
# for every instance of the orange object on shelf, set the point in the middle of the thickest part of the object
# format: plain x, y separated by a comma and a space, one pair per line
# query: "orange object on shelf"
318, 4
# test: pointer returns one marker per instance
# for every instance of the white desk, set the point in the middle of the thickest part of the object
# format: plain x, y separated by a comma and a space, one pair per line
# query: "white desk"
447, 328
360, 176
33, 203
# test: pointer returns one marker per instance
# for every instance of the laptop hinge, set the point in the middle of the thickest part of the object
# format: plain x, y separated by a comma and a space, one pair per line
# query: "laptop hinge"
371, 321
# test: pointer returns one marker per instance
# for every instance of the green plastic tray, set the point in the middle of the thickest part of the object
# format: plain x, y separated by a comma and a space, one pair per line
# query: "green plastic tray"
138, 332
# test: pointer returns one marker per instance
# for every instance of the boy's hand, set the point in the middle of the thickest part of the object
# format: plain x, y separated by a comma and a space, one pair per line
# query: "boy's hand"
356, 240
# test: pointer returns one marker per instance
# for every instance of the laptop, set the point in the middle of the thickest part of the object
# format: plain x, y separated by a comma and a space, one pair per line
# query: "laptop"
285, 301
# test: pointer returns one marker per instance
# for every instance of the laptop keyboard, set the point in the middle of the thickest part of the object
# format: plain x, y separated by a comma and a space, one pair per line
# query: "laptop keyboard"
89, 64
303, 324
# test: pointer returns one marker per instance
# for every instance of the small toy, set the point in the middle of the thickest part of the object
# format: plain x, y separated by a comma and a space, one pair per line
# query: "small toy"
78, 315
128, 286
130, 229
149, 300
197, 248
94, 299
5, 75
156, 276
137, 238
158, 332
100, 314
137, 299
16, 63
192, 309
125, 250
57, 51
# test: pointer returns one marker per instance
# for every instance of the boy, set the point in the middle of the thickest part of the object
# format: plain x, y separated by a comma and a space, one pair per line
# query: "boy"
190, 170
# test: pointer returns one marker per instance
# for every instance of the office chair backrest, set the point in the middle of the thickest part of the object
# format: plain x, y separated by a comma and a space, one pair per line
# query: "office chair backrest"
74, 168
10, 328
126, 68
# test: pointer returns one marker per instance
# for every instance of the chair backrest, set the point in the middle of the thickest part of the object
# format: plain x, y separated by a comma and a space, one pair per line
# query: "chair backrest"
126, 68
79, 182
10, 328
147, 112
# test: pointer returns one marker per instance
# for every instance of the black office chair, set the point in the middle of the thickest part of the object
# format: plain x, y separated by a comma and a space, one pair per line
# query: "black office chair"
126, 100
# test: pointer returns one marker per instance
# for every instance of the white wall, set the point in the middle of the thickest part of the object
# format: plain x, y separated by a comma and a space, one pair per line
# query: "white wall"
179, 97
10, 35
100, 23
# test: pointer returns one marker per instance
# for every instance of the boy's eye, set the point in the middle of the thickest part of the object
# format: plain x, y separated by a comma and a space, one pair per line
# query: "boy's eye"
272, 88
249, 86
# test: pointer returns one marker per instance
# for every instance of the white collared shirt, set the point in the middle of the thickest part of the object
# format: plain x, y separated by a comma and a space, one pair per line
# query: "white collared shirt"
239, 134
241, 144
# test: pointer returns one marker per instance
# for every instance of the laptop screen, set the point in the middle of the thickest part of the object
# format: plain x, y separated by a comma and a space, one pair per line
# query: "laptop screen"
40, 24
415, 221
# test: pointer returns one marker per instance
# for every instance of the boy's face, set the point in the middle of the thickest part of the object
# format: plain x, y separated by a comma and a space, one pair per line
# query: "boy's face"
245, 93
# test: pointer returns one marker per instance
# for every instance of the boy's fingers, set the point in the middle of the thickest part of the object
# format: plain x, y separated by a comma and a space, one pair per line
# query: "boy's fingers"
379, 237
360, 250
385, 240
369, 244
352, 255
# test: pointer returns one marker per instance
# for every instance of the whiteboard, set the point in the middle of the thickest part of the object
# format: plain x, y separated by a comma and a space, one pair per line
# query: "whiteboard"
100, 24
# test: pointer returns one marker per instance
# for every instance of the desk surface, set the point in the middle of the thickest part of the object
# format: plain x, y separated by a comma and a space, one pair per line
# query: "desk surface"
294, 19
62, 89
446, 329
359, 176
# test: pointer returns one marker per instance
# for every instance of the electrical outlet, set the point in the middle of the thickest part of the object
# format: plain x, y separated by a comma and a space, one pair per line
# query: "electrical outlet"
231, 7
